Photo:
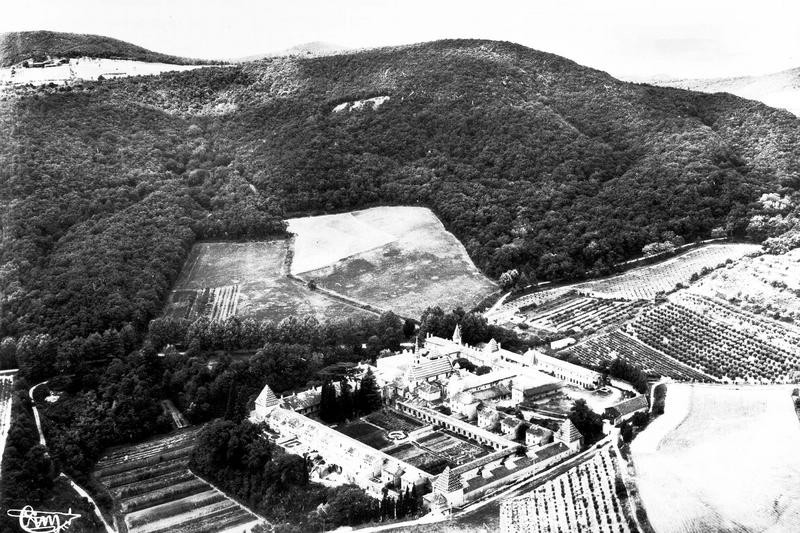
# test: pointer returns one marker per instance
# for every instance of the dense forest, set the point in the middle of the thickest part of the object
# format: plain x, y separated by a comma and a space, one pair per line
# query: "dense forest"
533, 161
536, 163
19, 46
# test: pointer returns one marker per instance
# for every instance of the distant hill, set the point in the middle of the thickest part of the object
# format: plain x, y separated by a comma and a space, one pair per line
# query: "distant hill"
781, 89
533, 161
311, 49
16, 47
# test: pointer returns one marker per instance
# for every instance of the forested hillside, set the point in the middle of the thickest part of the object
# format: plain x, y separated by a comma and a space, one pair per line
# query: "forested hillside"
533, 161
16, 47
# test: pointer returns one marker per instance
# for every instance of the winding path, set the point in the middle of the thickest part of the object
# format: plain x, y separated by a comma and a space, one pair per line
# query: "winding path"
81, 492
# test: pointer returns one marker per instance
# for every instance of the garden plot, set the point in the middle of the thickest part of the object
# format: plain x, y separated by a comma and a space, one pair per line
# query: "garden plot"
223, 279
582, 499
391, 420
153, 490
406, 262
6, 388
450, 448
721, 458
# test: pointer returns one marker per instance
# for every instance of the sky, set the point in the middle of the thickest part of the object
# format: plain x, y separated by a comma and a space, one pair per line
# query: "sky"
635, 39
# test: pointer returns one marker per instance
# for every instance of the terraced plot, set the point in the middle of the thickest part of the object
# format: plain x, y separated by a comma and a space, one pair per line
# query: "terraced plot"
616, 344
578, 314
644, 283
582, 499
154, 491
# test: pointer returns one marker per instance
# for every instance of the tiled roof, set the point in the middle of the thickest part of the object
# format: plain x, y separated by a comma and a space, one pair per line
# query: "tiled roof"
429, 387
510, 422
474, 381
625, 407
267, 398
303, 400
541, 389
539, 431
568, 432
448, 481
428, 368
551, 450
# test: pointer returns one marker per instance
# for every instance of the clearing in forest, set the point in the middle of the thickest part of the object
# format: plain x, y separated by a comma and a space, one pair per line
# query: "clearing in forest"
397, 258
721, 458
247, 279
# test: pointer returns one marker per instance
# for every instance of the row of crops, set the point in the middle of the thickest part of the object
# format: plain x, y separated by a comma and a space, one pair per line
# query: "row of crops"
712, 345
580, 313
154, 491
616, 344
582, 499
6, 388
645, 282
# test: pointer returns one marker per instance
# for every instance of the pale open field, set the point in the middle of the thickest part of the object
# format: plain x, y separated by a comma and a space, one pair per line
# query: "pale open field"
250, 281
398, 258
721, 458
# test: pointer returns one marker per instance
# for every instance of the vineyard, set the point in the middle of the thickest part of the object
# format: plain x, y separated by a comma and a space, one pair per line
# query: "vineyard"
616, 344
6, 388
154, 491
746, 350
584, 499
579, 313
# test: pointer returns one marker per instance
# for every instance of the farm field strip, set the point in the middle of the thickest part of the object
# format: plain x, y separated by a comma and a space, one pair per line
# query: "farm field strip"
641, 283
582, 499
644, 282
155, 492
579, 313
6, 388
713, 346
616, 344
783, 335
721, 458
